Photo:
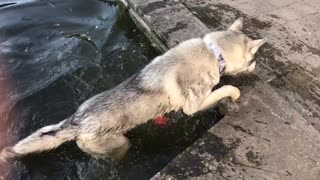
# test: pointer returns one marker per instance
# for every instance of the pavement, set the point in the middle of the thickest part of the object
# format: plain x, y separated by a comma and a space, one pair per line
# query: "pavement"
275, 132
263, 140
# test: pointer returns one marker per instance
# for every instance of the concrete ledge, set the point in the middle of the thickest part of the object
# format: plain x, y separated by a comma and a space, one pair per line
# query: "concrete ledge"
168, 20
266, 139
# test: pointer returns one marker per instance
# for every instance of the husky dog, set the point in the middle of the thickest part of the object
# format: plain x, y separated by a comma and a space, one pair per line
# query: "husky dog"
181, 78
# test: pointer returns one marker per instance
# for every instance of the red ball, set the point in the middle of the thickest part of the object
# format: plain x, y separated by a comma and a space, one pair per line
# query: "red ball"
161, 121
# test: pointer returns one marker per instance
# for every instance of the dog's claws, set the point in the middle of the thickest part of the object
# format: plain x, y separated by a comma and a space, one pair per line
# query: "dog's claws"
227, 105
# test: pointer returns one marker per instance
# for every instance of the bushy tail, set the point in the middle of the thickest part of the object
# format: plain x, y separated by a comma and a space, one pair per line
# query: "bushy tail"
46, 138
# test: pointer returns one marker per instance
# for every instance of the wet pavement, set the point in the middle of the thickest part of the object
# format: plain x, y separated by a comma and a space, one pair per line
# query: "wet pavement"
265, 139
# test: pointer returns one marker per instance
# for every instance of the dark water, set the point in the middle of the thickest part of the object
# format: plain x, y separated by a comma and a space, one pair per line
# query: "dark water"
56, 54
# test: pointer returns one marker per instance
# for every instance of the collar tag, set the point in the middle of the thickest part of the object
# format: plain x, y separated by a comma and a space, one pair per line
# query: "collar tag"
217, 53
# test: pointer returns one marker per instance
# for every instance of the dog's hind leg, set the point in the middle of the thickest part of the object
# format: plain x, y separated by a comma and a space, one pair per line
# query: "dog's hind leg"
218, 94
114, 146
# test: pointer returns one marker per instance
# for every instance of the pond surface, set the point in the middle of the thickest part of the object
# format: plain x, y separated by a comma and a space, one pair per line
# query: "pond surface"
55, 54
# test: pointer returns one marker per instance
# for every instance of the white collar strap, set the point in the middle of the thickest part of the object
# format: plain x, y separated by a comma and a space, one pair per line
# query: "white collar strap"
218, 54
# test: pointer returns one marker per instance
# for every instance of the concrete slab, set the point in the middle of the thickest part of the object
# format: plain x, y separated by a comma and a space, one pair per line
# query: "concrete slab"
257, 7
266, 139
169, 20
294, 11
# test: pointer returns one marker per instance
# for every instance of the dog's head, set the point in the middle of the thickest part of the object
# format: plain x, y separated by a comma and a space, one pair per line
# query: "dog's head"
237, 49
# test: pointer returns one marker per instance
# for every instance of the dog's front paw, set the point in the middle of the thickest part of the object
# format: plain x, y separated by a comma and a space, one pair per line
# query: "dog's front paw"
235, 94
226, 106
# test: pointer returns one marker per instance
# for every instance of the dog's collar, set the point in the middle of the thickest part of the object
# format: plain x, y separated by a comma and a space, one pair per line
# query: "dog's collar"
218, 54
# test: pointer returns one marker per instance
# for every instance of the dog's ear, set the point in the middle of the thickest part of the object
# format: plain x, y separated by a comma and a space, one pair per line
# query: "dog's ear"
237, 25
256, 44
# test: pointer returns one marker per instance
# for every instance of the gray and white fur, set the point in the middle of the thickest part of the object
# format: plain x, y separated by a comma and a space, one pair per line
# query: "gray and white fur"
181, 78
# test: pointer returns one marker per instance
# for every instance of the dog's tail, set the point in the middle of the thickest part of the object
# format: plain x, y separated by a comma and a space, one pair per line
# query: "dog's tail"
46, 138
